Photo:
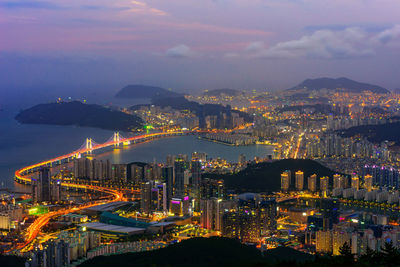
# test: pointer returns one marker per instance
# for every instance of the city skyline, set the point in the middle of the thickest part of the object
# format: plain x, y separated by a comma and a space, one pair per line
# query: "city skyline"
199, 133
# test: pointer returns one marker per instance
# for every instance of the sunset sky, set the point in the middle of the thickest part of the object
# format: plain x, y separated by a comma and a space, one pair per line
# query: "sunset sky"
198, 44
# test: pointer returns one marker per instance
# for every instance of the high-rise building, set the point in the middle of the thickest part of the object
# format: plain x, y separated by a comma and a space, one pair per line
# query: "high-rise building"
145, 197
299, 177
200, 156
153, 197
268, 214
355, 182
136, 174
170, 160
368, 182
250, 230
119, 173
253, 218
231, 224
338, 181
41, 187
338, 240
211, 188
167, 175
312, 183
180, 206
196, 173
180, 165
329, 209
324, 185
323, 241
56, 191
92, 169
159, 197
211, 214
285, 181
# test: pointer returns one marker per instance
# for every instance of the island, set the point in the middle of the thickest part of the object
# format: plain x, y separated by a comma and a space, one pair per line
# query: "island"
339, 84
145, 91
79, 114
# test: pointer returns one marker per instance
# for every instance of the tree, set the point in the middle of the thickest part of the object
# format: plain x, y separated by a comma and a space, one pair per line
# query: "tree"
346, 257
345, 250
390, 255
369, 258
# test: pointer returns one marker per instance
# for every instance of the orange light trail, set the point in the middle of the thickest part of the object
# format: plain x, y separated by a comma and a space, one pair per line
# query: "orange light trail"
34, 229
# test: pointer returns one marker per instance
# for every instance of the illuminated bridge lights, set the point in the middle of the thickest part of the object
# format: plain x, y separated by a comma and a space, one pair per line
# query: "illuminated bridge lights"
34, 229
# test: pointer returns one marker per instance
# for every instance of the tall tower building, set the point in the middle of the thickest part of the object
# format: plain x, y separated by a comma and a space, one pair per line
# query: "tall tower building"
267, 213
368, 182
299, 175
355, 182
323, 241
43, 189
179, 170
312, 183
167, 175
211, 214
324, 185
145, 196
338, 181
285, 181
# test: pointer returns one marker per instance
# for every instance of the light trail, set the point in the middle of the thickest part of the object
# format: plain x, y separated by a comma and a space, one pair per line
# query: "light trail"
34, 229
19, 173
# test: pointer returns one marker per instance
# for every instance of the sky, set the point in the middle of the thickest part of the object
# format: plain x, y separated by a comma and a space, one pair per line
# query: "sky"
191, 45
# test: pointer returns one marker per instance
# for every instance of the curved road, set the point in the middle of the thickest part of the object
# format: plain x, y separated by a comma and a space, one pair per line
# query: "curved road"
34, 229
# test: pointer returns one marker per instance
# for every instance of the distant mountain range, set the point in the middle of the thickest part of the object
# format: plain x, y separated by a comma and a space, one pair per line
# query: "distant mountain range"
339, 84
145, 91
224, 91
79, 114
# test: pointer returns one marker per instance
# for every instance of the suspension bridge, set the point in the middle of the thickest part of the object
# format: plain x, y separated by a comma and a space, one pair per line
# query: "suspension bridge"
88, 147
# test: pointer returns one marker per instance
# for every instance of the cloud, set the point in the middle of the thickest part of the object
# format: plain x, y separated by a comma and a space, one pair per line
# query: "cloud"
142, 8
388, 35
180, 51
29, 5
352, 42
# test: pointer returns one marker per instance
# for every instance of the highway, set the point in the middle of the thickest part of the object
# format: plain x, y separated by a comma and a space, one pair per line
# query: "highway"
34, 229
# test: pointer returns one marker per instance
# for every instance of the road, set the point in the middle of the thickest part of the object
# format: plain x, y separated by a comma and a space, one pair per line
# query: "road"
34, 229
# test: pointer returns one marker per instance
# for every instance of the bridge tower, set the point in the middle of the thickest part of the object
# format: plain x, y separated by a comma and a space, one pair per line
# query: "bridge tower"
89, 145
116, 139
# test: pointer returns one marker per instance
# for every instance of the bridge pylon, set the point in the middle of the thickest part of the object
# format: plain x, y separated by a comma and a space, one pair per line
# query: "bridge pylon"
89, 145
116, 139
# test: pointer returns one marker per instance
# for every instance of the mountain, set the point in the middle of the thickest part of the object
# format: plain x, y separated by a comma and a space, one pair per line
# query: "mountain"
266, 176
224, 91
375, 133
213, 251
144, 91
338, 84
181, 103
79, 114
